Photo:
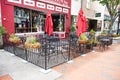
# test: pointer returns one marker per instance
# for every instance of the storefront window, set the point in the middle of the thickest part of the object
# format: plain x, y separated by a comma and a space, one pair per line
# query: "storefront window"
27, 20
58, 21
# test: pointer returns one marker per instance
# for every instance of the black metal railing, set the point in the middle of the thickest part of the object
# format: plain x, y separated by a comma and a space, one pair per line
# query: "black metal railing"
53, 51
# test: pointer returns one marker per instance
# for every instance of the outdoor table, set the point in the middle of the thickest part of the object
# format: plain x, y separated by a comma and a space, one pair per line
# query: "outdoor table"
104, 42
82, 47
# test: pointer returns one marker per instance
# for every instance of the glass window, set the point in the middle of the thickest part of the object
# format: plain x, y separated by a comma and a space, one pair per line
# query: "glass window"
38, 21
27, 20
58, 22
88, 4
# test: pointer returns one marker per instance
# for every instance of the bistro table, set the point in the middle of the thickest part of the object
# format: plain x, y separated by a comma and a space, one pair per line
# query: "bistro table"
82, 47
104, 43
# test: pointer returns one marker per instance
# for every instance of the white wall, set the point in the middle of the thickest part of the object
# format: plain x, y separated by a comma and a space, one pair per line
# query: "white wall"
75, 6
99, 9
0, 15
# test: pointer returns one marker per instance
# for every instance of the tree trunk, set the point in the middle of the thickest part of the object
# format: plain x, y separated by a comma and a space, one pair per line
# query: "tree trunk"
110, 25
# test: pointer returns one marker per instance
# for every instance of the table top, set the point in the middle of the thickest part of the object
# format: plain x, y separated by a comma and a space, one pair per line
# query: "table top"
104, 39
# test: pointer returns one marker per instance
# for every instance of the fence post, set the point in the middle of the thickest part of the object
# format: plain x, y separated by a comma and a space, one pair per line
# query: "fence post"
45, 54
13, 48
69, 49
26, 54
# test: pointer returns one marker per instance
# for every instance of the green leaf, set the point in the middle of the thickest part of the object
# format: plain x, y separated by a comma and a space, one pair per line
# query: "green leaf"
2, 30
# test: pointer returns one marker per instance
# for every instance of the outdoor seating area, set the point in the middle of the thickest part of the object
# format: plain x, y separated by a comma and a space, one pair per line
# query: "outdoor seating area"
104, 42
52, 51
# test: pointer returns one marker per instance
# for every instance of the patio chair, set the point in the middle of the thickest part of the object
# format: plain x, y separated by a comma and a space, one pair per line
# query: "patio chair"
103, 42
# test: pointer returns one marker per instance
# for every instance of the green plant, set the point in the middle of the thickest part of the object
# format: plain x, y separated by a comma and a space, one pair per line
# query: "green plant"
72, 28
91, 37
2, 30
82, 37
92, 31
31, 40
59, 25
103, 32
14, 39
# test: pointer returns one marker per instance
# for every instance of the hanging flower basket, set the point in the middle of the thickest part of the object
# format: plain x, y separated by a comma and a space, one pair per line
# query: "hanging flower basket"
30, 45
103, 35
82, 41
14, 39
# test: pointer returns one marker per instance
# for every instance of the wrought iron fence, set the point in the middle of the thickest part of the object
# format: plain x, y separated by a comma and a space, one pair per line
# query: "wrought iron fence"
53, 51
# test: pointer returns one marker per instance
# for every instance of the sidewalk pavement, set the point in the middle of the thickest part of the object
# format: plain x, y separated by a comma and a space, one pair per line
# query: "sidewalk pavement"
19, 70
97, 65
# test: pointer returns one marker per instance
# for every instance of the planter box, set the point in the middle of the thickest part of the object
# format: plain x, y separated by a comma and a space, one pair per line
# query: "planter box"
116, 40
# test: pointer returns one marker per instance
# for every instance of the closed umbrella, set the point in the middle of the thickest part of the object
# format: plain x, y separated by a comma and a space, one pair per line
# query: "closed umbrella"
84, 26
48, 24
81, 23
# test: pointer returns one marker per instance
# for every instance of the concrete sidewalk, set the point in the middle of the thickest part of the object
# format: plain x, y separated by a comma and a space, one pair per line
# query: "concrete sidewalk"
19, 70
97, 65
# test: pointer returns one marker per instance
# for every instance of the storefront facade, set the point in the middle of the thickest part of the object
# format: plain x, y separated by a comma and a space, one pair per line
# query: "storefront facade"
28, 16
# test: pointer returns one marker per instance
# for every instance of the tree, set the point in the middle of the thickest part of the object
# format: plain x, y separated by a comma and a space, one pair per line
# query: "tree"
112, 6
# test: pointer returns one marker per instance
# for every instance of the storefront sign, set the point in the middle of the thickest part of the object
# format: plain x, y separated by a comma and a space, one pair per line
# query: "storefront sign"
40, 5
15, 1
29, 2
65, 10
58, 2
50, 7
54, 5
58, 9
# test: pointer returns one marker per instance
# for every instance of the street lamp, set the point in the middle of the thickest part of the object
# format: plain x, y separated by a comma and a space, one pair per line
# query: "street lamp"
118, 20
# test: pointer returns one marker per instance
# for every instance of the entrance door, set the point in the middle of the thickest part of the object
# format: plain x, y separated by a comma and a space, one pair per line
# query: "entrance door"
92, 25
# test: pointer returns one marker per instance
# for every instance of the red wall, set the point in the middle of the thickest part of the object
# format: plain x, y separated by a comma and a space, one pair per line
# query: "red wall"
7, 17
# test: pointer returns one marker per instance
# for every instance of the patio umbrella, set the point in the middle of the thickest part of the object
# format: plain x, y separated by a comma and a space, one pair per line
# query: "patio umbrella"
48, 24
81, 23
84, 26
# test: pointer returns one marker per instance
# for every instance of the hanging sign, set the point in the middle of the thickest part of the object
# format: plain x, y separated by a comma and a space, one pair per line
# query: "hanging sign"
29, 2
40, 5
59, 9
64, 3
15, 1
50, 7
65, 10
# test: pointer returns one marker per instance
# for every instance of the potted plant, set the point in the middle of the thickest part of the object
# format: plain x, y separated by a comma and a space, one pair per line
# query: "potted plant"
31, 42
82, 39
2, 32
72, 28
60, 27
92, 32
72, 31
14, 39
103, 33
92, 39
